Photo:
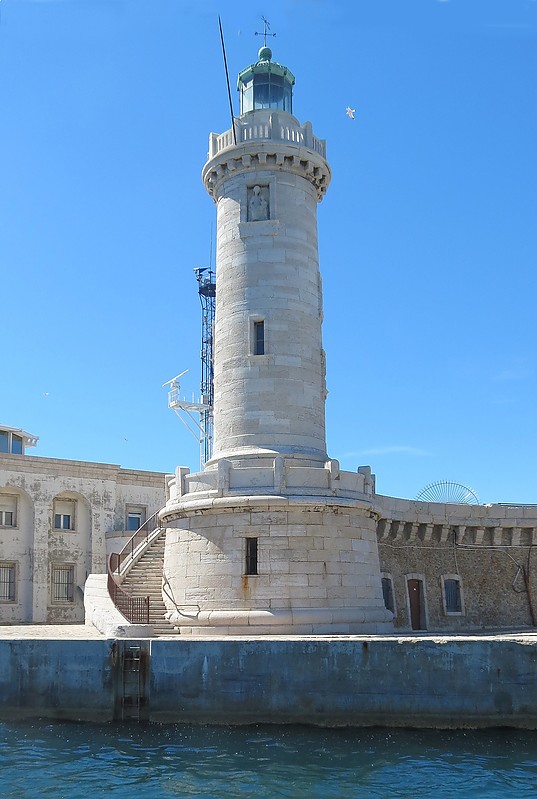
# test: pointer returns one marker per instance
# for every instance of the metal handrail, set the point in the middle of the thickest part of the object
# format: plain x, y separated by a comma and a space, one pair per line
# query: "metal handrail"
134, 608
140, 536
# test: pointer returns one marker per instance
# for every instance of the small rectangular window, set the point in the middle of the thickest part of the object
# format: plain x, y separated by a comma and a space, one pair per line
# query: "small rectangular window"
136, 516
251, 556
8, 510
64, 514
134, 522
7, 582
259, 338
63, 579
387, 593
452, 595
4, 441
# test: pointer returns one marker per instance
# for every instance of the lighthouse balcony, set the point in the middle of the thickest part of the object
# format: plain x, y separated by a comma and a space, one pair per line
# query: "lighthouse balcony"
283, 477
267, 125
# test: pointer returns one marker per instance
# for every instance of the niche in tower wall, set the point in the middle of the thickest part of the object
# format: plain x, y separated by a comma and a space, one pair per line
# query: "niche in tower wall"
258, 203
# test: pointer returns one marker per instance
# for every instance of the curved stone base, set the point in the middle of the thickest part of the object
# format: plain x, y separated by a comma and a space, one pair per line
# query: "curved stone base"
281, 621
315, 569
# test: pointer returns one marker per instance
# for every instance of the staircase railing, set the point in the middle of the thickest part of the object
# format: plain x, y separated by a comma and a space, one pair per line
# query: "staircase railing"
134, 608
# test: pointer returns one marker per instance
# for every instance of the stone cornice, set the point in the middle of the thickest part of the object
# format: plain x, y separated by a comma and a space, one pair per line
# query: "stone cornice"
189, 505
266, 155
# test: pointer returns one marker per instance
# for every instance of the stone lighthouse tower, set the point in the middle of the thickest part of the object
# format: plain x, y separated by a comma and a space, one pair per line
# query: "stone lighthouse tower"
271, 538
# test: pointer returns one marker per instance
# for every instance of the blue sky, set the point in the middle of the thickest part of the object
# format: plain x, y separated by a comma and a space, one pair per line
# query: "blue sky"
427, 234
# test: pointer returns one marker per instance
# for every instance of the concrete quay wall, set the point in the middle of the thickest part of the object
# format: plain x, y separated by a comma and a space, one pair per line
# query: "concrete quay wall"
435, 682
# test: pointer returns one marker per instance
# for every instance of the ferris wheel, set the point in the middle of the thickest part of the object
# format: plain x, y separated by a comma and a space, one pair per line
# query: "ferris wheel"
447, 492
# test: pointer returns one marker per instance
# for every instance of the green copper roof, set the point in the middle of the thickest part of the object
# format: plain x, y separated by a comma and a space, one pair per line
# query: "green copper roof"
265, 65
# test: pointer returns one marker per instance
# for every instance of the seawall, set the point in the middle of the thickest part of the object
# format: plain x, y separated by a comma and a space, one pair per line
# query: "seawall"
425, 681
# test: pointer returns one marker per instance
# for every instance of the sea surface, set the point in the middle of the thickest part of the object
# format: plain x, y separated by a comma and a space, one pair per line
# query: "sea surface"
87, 761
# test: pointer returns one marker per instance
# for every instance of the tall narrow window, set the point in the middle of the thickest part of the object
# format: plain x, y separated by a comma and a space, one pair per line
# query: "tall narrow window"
259, 338
63, 579
251, 556
16, 444
7, 582
452, 595
387, 593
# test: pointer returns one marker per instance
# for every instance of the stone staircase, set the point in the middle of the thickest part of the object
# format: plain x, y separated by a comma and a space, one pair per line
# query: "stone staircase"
145, 579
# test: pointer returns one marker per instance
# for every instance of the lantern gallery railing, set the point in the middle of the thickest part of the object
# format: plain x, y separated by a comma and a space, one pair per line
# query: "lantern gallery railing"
273, 127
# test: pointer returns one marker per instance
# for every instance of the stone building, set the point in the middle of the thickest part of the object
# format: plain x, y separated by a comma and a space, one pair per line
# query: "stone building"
457, 567
58, 521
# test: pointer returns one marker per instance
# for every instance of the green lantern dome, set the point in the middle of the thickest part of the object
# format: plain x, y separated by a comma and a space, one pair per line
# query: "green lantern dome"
266, 84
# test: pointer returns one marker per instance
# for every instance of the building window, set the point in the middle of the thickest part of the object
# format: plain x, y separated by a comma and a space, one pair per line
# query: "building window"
64, 514
136, 516
452, 595
259, 338
63, 580
10, 442
251, 556
387, 593
8, 510
8, 582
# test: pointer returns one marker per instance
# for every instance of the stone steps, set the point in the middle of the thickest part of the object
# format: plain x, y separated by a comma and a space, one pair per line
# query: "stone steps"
145, 579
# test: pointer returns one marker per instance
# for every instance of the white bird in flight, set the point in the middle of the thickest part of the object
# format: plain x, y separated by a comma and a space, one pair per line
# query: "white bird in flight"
350, 112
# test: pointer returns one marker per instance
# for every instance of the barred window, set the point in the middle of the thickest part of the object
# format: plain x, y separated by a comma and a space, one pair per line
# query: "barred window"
63, 579
7, 582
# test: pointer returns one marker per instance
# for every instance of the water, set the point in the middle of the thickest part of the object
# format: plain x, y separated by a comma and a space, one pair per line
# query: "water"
71, 761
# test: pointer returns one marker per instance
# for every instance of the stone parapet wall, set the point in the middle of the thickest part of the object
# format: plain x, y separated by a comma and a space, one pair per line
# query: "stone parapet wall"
264, 475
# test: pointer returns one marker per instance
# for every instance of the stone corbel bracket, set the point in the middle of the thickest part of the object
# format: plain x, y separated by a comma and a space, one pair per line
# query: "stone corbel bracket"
267, 156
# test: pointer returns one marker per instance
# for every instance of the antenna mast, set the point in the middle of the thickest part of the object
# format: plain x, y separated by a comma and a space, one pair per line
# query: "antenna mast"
207, 295
227, 79
202, 430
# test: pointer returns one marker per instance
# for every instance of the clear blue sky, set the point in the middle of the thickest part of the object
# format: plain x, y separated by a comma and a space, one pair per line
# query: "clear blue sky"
427, 234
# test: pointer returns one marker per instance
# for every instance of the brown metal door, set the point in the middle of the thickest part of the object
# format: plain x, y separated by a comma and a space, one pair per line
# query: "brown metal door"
416, 604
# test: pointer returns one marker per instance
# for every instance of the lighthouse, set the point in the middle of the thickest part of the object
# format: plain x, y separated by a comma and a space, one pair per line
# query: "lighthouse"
272, 537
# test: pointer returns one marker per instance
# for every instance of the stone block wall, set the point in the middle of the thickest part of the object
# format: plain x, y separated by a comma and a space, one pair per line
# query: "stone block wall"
317, 569
488, 550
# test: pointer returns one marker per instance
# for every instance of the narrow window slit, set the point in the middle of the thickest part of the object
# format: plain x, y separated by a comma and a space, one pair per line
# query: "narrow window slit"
259, 338
251, 556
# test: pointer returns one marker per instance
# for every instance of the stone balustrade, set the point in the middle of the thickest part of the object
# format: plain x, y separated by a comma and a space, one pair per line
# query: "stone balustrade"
268, 125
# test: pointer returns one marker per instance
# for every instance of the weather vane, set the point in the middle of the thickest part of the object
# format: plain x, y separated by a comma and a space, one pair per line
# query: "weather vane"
266, 28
